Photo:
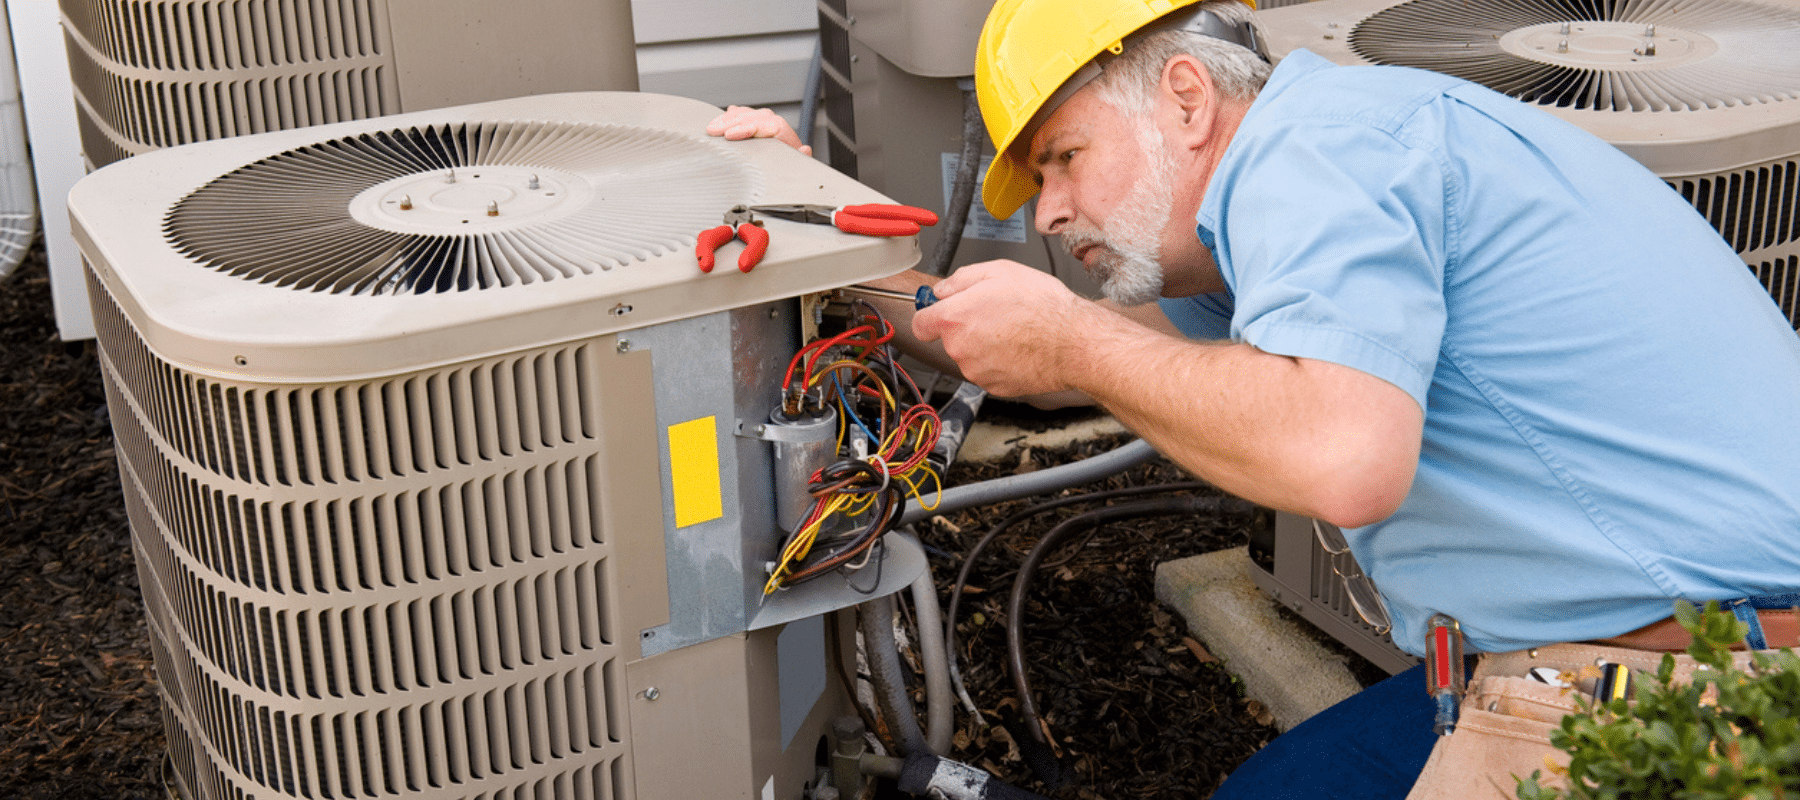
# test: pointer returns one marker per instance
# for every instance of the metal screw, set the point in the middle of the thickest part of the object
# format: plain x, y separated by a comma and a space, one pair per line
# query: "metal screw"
651, 693
1650, 30
1532, 652
493, 208
1562, 46
534, 182
1564, 30
406, 202
450, 177
1649, 47
624, 345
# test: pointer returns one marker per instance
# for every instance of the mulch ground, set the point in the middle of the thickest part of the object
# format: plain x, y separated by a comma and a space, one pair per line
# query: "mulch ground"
78, 708
1133, 707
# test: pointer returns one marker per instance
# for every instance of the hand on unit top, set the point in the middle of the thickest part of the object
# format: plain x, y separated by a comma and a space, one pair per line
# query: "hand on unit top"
743, 122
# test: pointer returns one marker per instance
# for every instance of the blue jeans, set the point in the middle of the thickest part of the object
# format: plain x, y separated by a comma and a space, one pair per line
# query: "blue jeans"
1745, 610
1372, 745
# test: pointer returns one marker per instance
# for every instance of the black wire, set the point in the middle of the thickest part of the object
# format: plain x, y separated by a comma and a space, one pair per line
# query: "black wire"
1015, 613
968, 565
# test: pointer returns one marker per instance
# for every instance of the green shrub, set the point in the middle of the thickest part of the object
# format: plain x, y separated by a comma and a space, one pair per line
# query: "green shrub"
1728, 735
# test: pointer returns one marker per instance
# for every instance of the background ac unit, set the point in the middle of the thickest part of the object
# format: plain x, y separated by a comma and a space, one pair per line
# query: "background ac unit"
147, 74
1705, 93
440, 458
157, 73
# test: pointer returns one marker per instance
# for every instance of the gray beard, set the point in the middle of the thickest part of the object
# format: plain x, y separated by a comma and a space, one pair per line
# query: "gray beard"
1129, 264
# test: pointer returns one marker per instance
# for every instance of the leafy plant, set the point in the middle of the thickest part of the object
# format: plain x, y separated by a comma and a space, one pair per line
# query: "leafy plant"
1728, 734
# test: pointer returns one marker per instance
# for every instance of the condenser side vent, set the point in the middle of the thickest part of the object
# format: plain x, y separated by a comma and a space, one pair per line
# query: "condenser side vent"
1752, 209
1782, 278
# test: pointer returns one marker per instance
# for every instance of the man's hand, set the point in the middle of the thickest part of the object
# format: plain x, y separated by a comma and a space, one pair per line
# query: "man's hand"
1005, 326
743, 122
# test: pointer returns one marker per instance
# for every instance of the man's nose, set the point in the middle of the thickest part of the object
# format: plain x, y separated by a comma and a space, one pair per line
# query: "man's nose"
1053, 210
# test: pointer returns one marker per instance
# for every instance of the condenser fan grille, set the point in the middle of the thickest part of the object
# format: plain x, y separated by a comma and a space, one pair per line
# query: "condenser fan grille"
458, 207
1623, 55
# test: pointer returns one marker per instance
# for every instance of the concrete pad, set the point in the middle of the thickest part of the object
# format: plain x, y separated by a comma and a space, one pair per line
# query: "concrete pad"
1282, 664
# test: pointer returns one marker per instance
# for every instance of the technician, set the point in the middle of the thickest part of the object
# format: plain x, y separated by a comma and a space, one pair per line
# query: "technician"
1536, 389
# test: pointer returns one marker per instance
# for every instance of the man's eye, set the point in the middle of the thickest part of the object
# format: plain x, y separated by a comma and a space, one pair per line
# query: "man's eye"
1066, 156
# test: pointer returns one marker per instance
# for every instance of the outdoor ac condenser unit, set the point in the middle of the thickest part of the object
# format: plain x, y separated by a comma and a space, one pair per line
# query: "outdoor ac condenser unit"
445, 463
1705, 93
158, 73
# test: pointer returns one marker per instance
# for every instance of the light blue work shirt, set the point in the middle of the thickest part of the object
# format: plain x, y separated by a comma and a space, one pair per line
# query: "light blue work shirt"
1612, 401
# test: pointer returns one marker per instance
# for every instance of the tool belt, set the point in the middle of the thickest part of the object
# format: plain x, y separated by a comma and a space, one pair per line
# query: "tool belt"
1505, 718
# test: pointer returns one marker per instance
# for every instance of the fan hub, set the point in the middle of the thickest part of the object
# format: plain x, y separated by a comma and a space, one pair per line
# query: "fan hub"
1619, 46
473, 199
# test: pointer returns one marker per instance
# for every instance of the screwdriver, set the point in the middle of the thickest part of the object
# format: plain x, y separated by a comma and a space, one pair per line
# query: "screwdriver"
1444, 670
921, 298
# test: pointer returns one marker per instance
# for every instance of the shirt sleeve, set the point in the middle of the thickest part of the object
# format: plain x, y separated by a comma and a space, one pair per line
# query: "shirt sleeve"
1335, 246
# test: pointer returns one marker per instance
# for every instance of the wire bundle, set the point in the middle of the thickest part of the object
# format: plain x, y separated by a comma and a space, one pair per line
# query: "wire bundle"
882, 445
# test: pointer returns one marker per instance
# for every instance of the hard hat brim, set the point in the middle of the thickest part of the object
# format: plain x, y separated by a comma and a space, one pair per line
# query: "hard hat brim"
1007, 187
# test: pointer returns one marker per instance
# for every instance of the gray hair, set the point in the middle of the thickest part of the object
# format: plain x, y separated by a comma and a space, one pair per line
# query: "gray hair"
1129, 82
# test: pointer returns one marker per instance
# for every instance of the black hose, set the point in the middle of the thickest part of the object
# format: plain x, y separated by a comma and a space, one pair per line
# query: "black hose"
1015, 613
981, 545
962, 187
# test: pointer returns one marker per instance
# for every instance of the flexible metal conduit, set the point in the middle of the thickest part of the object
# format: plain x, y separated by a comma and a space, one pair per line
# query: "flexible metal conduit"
962, 188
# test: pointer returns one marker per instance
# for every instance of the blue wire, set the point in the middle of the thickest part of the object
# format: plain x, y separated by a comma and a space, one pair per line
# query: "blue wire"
852, 414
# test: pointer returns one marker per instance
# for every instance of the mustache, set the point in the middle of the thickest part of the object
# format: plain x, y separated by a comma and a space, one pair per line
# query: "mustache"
1075, 239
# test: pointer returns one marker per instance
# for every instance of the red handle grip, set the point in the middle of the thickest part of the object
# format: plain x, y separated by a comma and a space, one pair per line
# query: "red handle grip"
921, 216
850, 223
756, 243
710, 240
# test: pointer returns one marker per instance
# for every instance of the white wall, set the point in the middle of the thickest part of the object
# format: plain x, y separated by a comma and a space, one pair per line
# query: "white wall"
726, 52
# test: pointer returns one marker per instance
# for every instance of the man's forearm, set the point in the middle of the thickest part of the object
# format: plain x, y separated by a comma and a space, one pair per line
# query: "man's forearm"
1306, 436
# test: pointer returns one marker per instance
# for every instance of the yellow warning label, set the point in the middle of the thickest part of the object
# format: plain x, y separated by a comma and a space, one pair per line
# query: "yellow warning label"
694, 471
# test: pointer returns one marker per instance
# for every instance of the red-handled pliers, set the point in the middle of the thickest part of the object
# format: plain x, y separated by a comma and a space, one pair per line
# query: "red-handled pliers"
868, 219
739, 222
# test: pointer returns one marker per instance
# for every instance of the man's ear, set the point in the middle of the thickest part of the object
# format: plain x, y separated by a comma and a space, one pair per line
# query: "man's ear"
1188, 86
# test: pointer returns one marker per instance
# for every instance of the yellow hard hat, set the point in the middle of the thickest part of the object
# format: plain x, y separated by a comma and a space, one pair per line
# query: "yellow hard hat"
1029, 49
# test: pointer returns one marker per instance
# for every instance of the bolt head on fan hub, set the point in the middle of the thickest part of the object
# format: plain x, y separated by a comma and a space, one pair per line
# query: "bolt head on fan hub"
470, 199
1607, 44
